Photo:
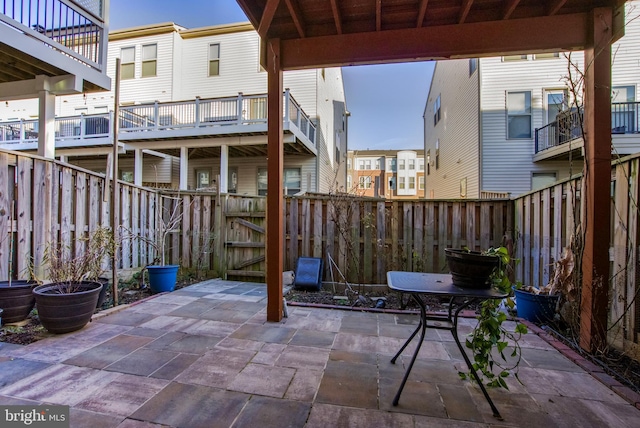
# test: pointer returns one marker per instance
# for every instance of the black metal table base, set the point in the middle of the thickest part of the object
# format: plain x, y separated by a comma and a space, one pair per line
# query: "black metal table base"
446, 322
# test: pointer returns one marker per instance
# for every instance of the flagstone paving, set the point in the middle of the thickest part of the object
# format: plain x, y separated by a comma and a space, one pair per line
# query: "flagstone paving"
205, 356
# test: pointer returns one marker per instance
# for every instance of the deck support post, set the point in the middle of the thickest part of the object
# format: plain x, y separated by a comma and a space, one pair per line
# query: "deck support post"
275, 152
184, 168
224, 169
46, 124
597, 176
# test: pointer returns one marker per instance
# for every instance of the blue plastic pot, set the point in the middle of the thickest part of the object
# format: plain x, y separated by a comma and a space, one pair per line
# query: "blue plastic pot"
162, 278
537, 308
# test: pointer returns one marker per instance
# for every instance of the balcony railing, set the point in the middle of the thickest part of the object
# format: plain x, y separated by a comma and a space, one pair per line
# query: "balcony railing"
567, 127
74, 28
200, 114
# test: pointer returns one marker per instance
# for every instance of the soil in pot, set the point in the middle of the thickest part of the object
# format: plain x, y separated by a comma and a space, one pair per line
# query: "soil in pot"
16, 300
63, 308
471, 269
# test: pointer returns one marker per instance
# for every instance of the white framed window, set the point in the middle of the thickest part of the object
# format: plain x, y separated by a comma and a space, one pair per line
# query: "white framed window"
401, 164
542, 179
214, 59
519, 114
421, 182
392, 164
412, 164
361, 164
421, 164
149, 60
508, 58
364, 182
367, 164
436, 111
203, 178
378, 164
555, 102
623, 110
291, 181
401, 181
128, 63
549, 55
412, 182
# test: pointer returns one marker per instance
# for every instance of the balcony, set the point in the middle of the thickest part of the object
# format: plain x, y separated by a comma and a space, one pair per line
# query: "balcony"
152, 124
54, 38
563, 137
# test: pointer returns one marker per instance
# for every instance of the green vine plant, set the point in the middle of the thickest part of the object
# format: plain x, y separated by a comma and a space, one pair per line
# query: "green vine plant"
490, 334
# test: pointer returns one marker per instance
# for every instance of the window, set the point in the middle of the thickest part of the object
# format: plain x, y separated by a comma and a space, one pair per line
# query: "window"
392, 183
203, 178
367, 164
421, 164
292, 181
365, 182
126, 176
508, 58
149, 60
421, 182
436, 111
392, 164
519, 114
127, 63
101, 109
412, 164
550, 55
361, 164
401, 181
473, 65
412, 182
401, 164
556, 102
542, 179
348, 163
623, 109
214, 59
378, 164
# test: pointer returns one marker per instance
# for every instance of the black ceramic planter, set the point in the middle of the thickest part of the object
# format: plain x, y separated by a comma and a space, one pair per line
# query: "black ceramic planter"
63, 308
16, 300
471, 269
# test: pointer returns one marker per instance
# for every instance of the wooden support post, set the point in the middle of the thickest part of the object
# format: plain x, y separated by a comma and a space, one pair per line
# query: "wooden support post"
597, 176
275, 230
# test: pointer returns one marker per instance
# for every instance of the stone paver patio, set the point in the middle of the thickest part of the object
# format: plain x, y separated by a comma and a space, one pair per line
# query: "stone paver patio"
204, 356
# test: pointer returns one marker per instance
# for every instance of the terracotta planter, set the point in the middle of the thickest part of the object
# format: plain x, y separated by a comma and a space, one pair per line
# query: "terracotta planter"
471, 269
63, 308
16, 300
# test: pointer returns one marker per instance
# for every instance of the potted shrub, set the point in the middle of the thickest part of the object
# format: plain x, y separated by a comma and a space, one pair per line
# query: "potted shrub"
539, 305
489, 334
69, 300
163, 277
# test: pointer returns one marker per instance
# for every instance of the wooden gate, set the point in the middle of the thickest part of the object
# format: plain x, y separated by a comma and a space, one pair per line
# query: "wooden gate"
245, 238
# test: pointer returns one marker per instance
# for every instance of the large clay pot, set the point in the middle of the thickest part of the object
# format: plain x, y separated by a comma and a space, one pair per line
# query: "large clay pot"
16, 300
471, 269
63, 308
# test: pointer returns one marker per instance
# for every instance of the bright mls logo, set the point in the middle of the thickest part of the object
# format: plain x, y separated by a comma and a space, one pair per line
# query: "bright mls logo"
34, 416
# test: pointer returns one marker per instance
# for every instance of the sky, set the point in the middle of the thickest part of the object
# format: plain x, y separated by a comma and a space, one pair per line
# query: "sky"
386, 101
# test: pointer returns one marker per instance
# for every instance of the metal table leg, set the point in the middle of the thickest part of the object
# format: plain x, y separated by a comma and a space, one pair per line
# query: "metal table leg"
454, 333
423, 327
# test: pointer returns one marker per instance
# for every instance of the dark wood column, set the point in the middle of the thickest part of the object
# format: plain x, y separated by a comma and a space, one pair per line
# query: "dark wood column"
275, 151
597, 176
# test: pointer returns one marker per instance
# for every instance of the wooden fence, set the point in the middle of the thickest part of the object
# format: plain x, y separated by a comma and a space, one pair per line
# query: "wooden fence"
45, 203
549, 219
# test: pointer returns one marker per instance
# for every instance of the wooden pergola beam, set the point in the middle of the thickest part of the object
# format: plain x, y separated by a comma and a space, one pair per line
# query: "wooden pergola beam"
296, 15
275, 156
466, 6
597, 176
336, 16
509, 8
422, 12
555, 6
553, 34
267, 17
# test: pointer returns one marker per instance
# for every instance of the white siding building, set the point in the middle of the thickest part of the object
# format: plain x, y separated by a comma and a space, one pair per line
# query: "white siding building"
193, 114
491, 124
